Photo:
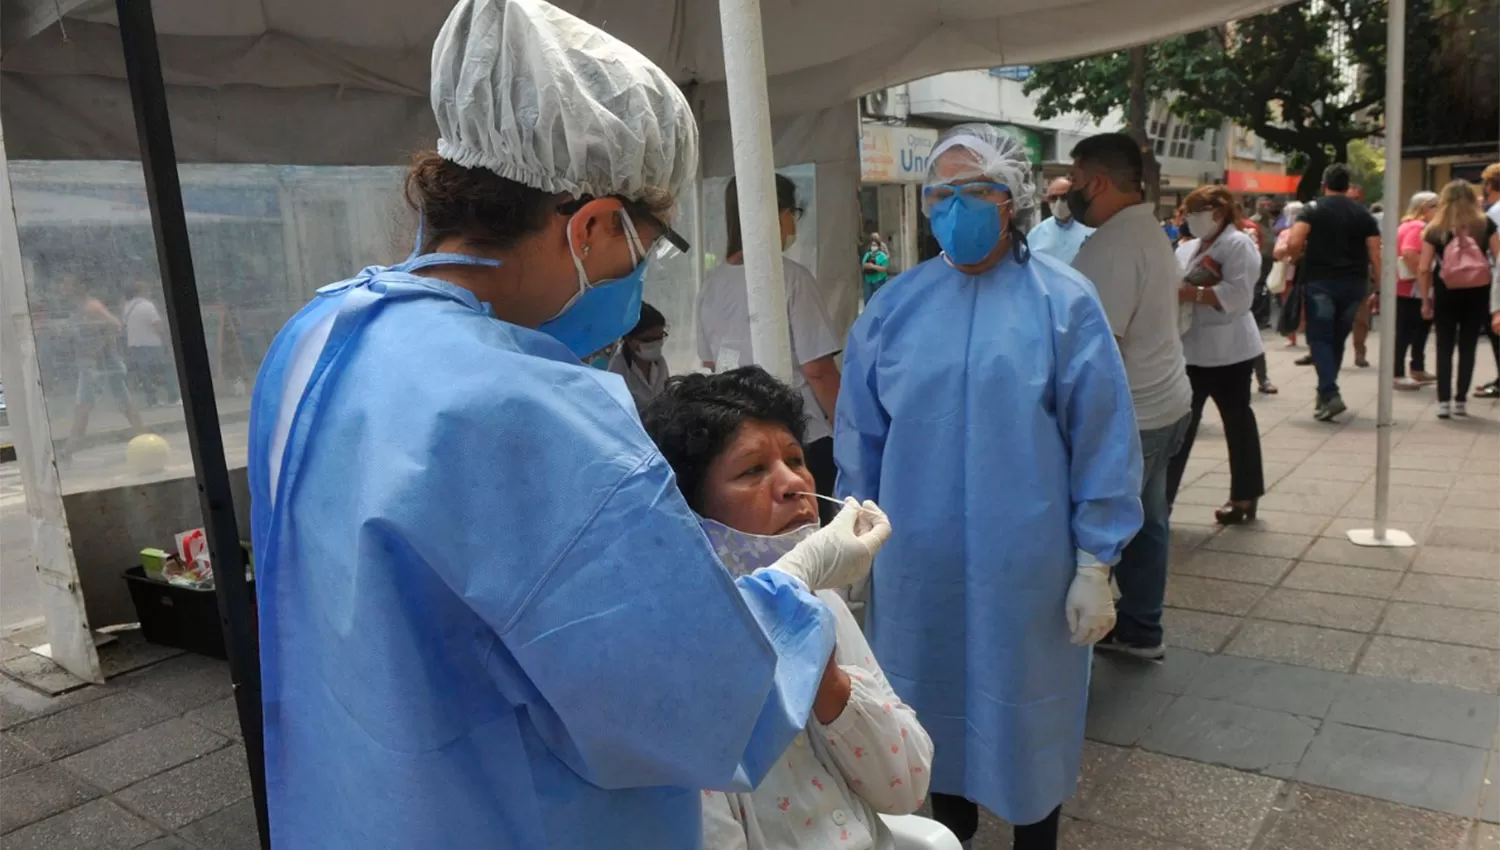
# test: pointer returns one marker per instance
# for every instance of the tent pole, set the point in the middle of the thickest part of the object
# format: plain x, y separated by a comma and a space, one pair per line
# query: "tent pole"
1395, 62
148, 96
755, 182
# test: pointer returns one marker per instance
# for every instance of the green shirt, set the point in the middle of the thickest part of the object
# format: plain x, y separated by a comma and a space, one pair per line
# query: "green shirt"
879, 258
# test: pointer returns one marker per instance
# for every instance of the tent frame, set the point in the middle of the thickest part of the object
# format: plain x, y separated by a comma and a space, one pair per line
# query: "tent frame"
148, 96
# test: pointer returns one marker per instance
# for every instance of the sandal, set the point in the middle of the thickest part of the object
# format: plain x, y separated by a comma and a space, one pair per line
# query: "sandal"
1268, 388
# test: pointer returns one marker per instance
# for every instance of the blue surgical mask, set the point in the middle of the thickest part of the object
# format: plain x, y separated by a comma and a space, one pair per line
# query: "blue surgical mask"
968, 228
600, 314
744, 553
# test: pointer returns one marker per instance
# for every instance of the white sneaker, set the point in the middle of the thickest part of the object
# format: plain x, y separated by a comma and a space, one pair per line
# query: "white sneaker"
1460, 409
1443, 410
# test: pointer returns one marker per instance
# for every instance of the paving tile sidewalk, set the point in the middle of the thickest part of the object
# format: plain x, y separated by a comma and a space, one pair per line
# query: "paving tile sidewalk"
150, 759
1316, 695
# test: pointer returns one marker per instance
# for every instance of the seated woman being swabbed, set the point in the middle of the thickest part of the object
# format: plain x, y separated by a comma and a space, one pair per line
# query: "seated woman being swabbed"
734, 441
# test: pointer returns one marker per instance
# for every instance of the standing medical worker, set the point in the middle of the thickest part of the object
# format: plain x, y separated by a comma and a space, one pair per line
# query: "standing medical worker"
488, 618
985, 403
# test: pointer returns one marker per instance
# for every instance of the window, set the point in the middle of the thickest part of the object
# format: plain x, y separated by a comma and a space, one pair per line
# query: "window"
1182, 142
1157, 130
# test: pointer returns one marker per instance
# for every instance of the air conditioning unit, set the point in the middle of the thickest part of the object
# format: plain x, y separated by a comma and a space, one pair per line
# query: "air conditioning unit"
878, 103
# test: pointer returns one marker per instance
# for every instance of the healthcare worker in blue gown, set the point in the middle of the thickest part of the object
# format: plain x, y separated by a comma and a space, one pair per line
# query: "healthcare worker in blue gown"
488, 619
985, 405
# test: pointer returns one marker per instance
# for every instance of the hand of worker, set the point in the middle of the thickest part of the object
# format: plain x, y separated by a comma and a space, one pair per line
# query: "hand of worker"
840, 553
1090, 605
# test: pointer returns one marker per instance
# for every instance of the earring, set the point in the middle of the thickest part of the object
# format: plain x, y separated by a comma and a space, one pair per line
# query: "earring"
585, 250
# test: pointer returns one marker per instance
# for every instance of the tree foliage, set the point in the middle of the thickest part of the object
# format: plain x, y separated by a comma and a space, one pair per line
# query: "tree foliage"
1367, 169
1307, 78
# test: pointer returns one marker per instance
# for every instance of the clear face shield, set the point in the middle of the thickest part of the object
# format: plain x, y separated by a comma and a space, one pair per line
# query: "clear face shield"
668, 245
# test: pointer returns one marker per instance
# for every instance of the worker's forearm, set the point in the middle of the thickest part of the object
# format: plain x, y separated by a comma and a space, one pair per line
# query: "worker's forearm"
825, 387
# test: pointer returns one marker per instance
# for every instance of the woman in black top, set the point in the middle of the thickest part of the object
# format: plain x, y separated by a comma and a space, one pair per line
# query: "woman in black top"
1458, 312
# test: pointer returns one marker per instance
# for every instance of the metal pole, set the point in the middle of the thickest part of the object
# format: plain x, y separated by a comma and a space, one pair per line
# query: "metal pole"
1395, 70
755, 181
148, 95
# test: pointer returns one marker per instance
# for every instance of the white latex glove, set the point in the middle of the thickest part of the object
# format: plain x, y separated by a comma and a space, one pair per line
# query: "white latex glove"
842, 552
1091, 606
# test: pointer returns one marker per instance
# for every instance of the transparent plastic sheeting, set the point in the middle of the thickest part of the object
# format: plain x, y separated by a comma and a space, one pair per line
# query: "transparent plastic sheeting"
264, 238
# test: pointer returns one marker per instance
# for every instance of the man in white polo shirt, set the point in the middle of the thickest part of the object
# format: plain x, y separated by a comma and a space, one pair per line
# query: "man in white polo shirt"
1132, 266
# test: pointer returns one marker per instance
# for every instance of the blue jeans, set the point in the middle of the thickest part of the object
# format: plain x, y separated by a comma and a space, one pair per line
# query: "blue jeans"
1142, 571
1332, 306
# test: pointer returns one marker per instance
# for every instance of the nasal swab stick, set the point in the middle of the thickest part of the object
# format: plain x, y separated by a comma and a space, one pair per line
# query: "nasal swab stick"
838, 502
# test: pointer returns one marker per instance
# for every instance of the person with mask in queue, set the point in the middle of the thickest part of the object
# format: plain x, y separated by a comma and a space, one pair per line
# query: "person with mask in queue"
1221, 269
724, 329
488, 619
1132, 266
987, 409
1455, 270
1060, 235
639, 358
1336, 245
1489, 188
1411, 328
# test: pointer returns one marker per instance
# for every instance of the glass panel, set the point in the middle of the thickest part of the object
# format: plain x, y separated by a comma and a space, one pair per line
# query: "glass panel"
672, 288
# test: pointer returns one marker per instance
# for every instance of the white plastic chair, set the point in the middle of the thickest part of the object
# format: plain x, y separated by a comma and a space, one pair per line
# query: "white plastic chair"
913, 832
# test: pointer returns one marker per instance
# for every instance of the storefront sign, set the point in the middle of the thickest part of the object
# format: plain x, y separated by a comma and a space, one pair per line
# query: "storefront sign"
1261, 183
1035, 147
894, 154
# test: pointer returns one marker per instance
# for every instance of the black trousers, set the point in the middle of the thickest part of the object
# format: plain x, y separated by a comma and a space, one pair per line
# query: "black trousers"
1229, 387
819, 457
1411, 333
1458, 315
961, 816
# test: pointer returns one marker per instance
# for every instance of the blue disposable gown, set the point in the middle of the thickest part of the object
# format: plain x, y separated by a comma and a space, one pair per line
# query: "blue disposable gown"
1058, 241
487, 617
991, 418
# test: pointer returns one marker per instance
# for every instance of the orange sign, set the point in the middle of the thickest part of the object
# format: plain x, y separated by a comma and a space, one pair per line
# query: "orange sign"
1261, 183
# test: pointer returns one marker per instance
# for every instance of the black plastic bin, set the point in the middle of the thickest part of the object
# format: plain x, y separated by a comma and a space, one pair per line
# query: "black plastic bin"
182, 617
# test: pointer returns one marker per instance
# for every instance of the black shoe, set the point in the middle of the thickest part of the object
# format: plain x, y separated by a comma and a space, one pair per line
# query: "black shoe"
1232, 515
1304, 360
1490, 390
1112, 643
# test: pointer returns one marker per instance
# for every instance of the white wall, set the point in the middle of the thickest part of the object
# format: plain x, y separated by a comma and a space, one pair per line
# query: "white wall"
982, 96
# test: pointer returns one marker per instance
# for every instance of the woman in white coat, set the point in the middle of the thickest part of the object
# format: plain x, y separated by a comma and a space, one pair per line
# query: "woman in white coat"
1220, 269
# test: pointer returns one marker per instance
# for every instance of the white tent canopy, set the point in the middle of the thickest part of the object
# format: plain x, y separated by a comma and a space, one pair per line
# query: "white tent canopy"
345, 81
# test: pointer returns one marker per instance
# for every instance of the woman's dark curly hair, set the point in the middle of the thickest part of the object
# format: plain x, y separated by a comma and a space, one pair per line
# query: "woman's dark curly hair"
696, 416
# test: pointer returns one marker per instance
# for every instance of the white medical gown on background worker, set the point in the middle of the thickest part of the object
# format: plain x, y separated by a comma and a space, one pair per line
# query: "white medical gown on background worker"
991, 417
